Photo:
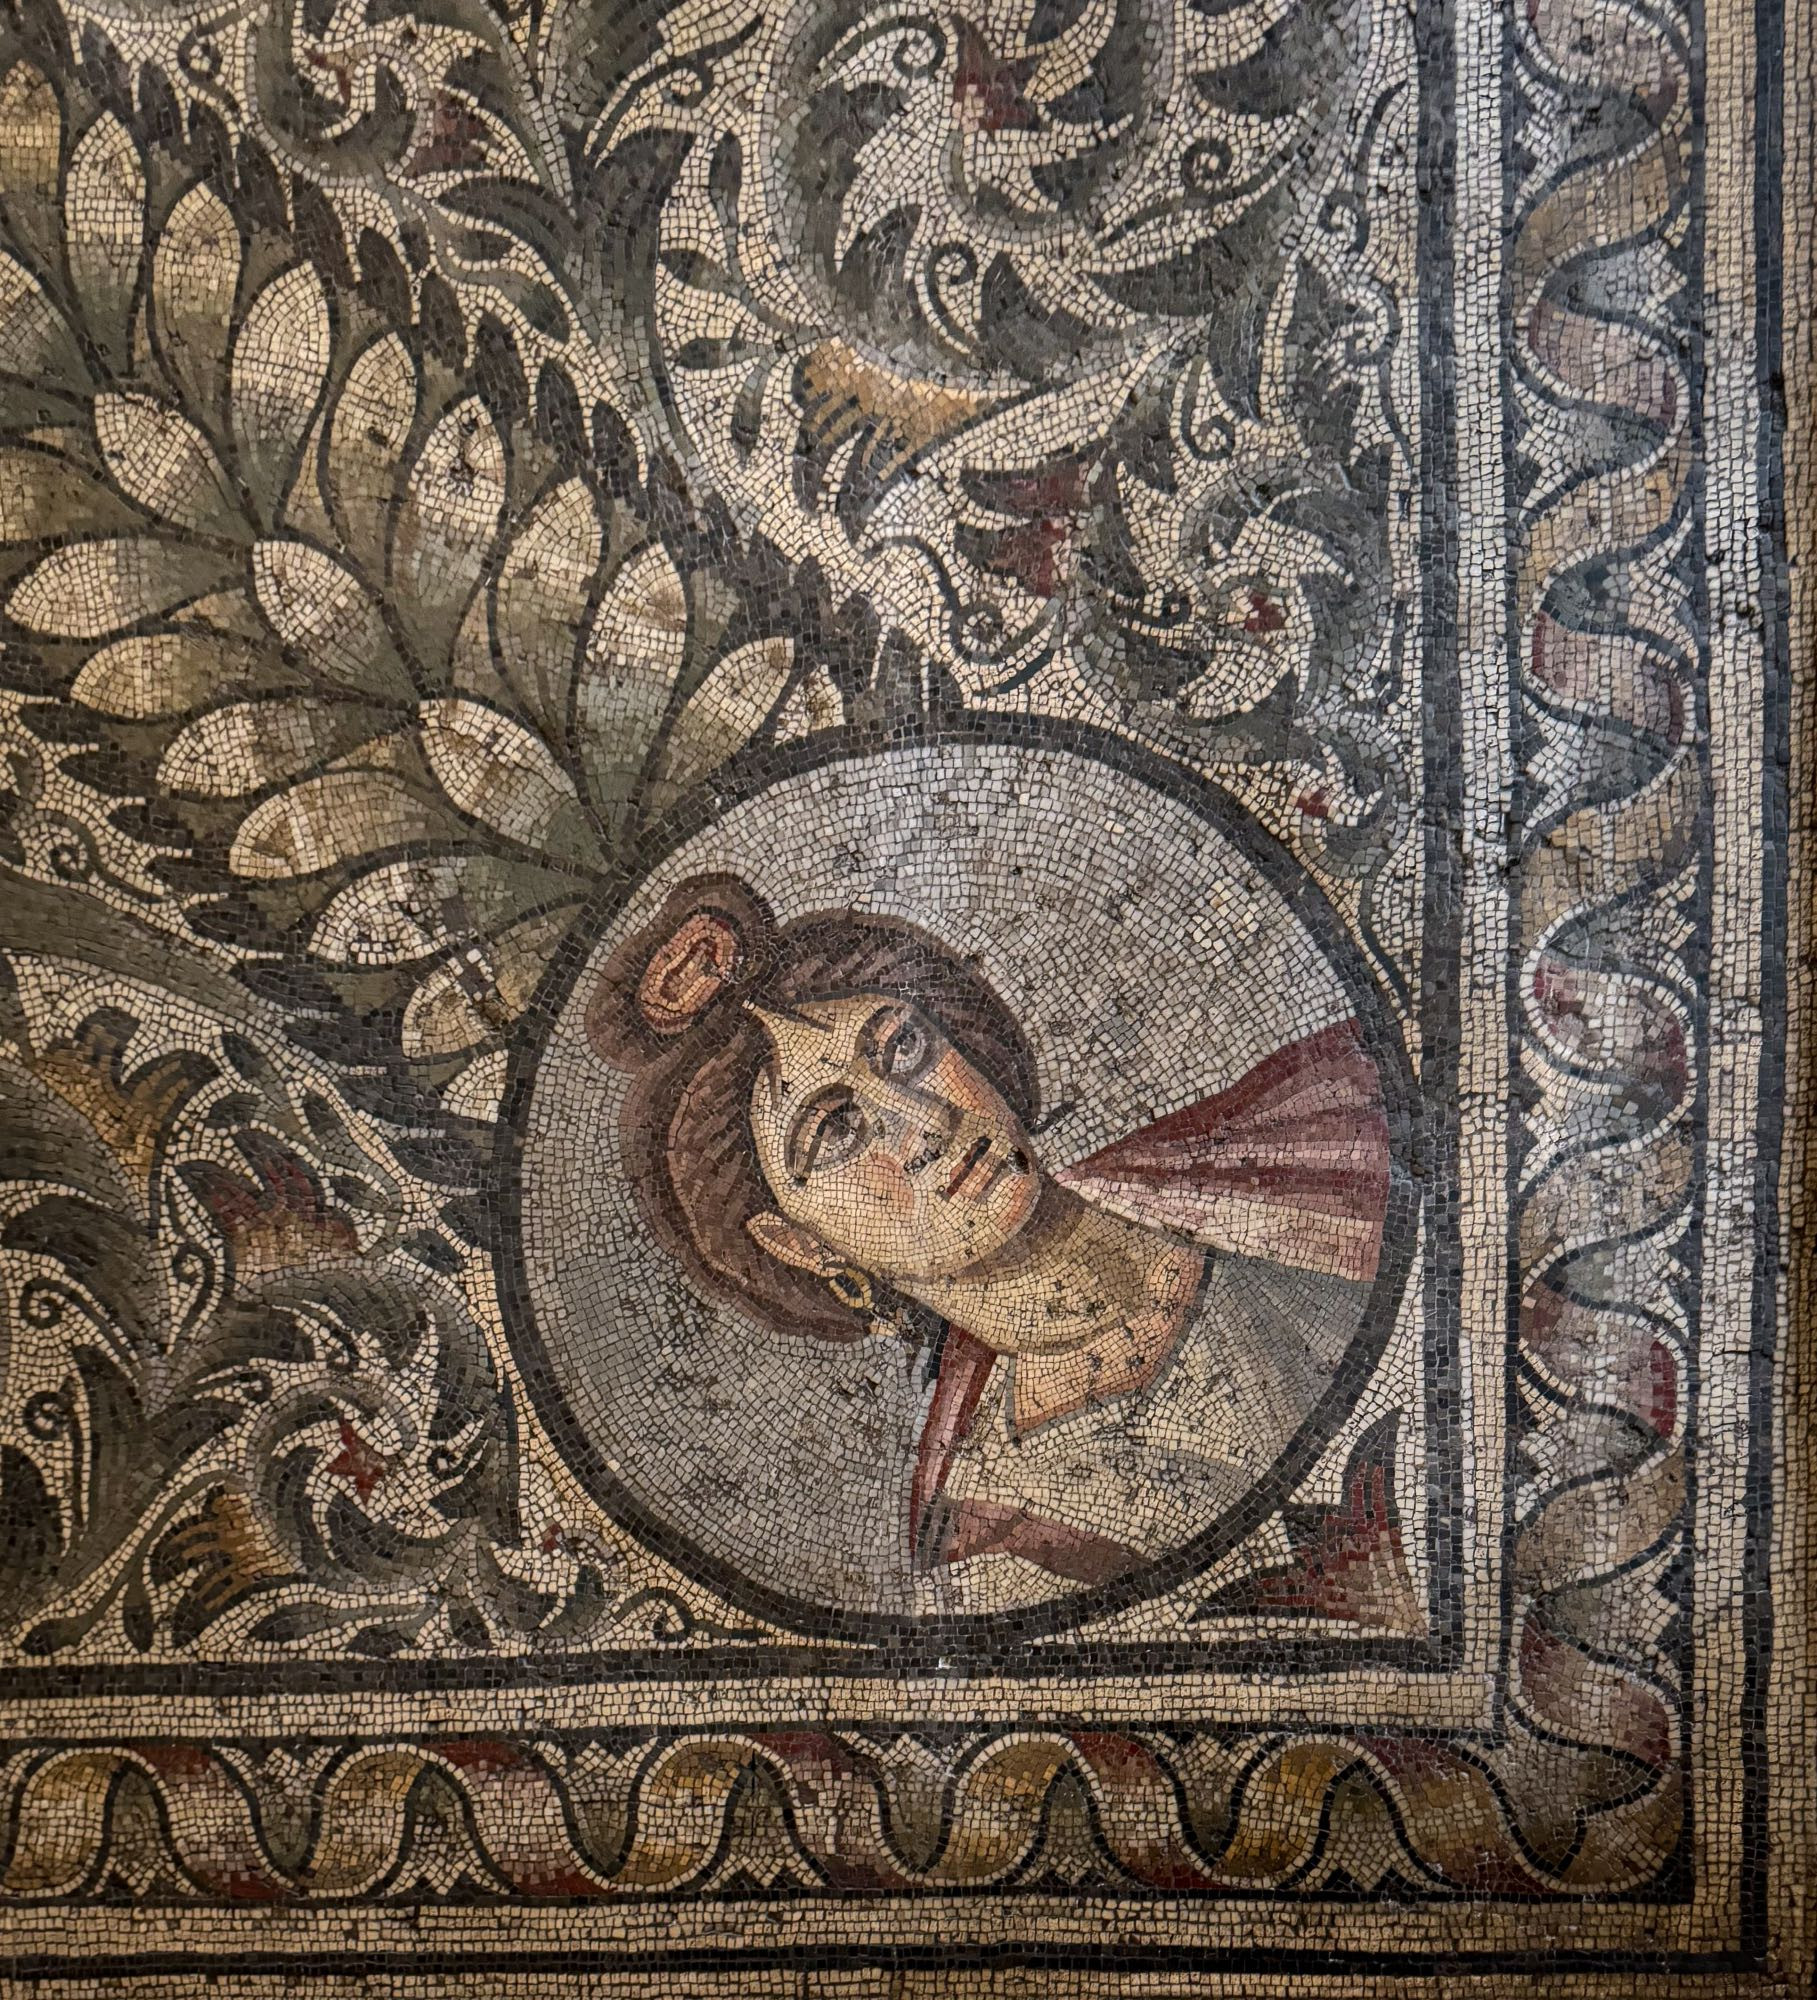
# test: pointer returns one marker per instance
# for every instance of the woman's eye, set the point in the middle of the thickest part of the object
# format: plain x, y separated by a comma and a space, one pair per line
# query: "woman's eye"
832, 1132
905, 1050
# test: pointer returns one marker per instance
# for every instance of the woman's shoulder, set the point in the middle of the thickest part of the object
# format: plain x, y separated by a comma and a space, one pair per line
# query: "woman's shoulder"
1259, 1321
1273, 1286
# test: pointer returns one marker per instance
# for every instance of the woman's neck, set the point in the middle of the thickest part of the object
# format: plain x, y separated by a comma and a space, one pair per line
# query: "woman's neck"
1074, 1275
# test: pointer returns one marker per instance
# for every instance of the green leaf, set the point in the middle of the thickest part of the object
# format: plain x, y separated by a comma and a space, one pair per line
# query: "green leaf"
195, 277
540, 602
627, 677
366, 438
495, 770
90, 590
322, 611
245, 746
329, 820
104, 230
721, 716
162, 463
409, 910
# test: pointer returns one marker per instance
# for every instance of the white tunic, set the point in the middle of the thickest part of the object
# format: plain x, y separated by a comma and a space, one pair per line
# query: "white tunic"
1154, 1466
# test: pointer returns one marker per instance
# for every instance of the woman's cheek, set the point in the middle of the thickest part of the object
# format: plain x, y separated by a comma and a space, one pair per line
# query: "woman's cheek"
880, 1182
1018, 1204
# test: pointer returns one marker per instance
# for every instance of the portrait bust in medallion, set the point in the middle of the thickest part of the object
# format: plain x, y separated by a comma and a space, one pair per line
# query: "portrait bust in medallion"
834, 1124
907, 1235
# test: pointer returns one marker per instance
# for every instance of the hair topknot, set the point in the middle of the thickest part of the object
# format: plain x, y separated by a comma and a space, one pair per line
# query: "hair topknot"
712, 939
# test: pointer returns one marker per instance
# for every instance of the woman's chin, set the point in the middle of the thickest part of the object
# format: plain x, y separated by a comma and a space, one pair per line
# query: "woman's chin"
932, 1282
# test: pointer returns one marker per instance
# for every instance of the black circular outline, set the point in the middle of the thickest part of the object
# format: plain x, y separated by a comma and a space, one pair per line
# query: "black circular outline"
975, 1634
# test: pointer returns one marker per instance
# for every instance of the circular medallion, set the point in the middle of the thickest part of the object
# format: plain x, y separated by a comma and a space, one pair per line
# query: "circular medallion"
964, 1184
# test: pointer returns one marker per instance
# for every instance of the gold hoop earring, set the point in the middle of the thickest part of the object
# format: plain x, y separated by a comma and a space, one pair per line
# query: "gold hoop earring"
851, 1287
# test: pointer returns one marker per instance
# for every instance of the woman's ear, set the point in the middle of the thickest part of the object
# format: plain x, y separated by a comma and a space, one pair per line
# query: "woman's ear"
793, 1244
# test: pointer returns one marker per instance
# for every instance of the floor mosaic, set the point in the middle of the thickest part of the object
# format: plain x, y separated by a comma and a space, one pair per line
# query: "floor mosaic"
904, 931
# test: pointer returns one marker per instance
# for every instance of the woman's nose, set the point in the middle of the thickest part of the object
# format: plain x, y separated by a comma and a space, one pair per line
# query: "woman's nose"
922, 1126
927, 1145
925, 1139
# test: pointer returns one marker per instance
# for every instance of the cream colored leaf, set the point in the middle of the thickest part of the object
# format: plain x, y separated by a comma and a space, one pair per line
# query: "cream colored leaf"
542, 598
279, 362
195, 274
471, 667
520, 956
633, 656
442, 1017
164, 673
251, 744
647, 607
366, 439
409, 910
104, 224
814, 704
494, 769
91, 589
724, 713
447, 525
34, 341
330, 819
479, 1089
303, 512
161, 461
228, 611
390, 916
320, 608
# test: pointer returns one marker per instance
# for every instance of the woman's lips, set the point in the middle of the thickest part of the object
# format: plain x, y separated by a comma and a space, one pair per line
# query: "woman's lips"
975, 1155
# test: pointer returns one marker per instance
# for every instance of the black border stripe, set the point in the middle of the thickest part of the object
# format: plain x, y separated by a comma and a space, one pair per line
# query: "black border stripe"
1775, 609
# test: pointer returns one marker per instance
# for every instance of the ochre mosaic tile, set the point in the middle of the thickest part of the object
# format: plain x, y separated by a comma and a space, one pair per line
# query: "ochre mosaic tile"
902, 977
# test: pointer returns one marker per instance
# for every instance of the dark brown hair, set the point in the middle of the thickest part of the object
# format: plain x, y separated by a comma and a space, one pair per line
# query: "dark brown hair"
687, 1137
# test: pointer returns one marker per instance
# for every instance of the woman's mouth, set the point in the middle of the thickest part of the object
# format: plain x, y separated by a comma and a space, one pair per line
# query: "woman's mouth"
975, 1156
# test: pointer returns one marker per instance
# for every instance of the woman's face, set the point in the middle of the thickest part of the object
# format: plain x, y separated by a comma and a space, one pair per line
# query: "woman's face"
883, 1143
